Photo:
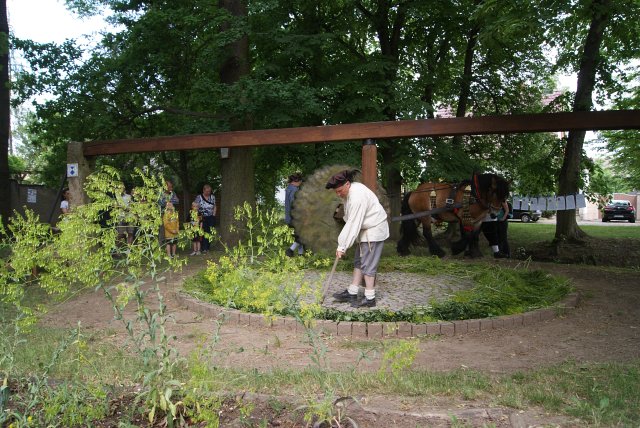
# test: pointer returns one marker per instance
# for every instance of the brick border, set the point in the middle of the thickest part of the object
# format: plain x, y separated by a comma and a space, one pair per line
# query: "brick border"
378, 330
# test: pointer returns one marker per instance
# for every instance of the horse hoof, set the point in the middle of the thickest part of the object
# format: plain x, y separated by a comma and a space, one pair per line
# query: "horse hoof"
457, 248
439, 253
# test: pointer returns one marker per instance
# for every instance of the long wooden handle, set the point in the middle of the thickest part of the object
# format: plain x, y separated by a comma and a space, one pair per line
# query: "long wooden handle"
325, 287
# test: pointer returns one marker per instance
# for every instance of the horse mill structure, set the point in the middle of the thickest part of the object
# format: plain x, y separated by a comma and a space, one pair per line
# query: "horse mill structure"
81, 153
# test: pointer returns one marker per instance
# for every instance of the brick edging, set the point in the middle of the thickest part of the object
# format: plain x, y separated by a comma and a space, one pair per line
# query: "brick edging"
378, 330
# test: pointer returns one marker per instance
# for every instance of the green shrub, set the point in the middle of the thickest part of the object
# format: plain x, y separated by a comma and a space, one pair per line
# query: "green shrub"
257, 276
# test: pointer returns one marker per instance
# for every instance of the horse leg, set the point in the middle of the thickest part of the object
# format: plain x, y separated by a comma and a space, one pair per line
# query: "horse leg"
434, 248
408, 229
459, 246
408, 235
474, 244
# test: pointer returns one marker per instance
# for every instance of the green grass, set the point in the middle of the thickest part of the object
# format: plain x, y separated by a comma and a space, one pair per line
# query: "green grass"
86, 356
598, 394
524, 234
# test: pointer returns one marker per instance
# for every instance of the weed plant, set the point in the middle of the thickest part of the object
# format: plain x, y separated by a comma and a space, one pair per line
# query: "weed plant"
86, 253
257, 276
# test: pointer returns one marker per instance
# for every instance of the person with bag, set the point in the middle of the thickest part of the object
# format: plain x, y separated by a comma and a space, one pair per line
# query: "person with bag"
207, 207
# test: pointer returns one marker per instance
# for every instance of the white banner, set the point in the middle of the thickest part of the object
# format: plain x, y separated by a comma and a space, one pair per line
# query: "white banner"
570, 202
516, 203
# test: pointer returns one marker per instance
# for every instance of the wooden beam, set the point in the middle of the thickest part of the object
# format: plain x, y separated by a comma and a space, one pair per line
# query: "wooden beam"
508, 124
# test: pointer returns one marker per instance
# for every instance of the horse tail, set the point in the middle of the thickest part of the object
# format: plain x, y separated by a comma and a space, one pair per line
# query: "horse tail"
408, 228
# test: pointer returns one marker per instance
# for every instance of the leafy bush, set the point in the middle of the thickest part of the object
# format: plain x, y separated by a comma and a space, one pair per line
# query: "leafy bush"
257, 276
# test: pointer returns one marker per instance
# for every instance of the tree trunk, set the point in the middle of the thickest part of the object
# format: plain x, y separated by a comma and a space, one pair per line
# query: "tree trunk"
568, 183
5, 114
465, 83
186, 185
238, 175
389, 37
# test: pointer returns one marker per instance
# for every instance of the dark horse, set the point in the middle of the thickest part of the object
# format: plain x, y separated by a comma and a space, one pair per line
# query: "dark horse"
466, 203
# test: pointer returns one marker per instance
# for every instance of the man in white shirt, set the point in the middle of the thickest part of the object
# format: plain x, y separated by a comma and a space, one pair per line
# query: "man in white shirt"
365, 224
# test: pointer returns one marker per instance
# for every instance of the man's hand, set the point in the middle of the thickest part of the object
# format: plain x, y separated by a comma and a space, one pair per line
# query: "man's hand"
339, 254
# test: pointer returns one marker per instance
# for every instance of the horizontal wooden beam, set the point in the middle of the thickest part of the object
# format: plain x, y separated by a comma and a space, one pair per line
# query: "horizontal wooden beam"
508, 124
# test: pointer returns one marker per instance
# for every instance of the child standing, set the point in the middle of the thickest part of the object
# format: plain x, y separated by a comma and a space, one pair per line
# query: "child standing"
196, 221
171, 228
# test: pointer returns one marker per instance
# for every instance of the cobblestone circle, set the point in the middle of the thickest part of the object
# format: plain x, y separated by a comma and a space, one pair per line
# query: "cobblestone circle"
394, 291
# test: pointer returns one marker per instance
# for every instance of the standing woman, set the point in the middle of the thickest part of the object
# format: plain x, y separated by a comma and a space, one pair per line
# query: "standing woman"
64, 204
207, 207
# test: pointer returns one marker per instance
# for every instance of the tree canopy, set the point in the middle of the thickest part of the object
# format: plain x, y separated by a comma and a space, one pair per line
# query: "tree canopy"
158, 72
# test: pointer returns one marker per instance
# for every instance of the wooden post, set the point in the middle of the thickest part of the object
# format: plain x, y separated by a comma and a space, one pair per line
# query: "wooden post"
370, 164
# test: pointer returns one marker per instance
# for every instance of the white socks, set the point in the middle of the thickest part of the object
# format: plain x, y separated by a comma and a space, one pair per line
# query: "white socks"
353, 289
370, 294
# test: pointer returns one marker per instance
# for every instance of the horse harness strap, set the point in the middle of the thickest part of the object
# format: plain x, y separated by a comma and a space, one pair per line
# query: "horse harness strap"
452, 196
467, 200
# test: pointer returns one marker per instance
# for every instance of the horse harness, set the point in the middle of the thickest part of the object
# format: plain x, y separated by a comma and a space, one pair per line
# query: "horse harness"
469, 197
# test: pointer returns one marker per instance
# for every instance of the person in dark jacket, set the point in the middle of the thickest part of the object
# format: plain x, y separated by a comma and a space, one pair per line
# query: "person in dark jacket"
294, 182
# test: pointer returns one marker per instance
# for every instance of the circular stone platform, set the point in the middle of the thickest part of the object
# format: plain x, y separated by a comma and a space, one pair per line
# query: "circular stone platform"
394, 291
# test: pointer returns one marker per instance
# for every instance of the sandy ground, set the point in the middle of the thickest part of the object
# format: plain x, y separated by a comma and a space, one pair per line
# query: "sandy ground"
605, 327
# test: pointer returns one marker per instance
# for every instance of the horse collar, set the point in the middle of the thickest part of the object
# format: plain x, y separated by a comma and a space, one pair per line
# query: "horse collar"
474, 191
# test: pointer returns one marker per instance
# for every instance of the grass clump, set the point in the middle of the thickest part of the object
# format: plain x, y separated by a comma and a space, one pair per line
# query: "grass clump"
502, 292
604, 394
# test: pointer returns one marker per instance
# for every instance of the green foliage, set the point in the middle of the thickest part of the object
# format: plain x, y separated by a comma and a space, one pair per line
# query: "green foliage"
257, 276
623, 145
398, 357
87, 252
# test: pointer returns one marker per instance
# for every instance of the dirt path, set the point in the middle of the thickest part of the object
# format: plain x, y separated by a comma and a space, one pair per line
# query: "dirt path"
604, 327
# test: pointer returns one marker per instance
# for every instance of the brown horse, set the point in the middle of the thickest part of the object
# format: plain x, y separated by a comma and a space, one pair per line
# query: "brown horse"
466, 203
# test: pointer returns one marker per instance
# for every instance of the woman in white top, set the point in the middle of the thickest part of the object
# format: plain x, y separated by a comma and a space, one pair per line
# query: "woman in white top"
208, 209
64, 204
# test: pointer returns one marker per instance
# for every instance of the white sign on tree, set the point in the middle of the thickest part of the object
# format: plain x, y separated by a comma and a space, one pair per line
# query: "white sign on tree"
72, 170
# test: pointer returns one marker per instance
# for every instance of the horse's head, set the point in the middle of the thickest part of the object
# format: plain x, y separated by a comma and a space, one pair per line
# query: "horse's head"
499, 192
493, 190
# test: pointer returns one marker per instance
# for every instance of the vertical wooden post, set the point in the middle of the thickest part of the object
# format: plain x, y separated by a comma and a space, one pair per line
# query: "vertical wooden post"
370, 164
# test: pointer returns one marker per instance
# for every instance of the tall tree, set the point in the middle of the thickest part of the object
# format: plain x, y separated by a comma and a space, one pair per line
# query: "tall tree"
623, 145
5, 113
603, 28
238, 181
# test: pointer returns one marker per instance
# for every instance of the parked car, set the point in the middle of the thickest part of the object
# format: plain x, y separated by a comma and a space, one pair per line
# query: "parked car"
619, 210
526, 216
